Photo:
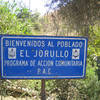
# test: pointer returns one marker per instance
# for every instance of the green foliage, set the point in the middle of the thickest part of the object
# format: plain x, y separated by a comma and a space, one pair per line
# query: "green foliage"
17, 21
8, 23
90, 85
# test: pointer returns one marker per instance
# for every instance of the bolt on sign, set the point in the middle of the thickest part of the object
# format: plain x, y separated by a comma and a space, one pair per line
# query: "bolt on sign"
42, 57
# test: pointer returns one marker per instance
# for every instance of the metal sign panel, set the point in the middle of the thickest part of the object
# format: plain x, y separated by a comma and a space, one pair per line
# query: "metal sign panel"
42, 57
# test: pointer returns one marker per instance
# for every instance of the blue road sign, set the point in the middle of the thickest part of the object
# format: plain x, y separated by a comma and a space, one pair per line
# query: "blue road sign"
42, 57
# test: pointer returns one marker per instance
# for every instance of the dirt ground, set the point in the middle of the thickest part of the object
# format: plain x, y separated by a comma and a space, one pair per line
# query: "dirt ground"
12, 98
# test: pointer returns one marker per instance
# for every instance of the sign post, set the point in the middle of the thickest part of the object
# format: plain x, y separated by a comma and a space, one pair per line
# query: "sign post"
43, 93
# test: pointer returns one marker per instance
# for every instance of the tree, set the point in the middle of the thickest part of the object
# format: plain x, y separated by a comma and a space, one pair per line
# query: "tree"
78, 14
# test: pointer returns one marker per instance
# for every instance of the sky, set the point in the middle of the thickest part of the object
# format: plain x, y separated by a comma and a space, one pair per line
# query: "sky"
38, 5
35, 5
